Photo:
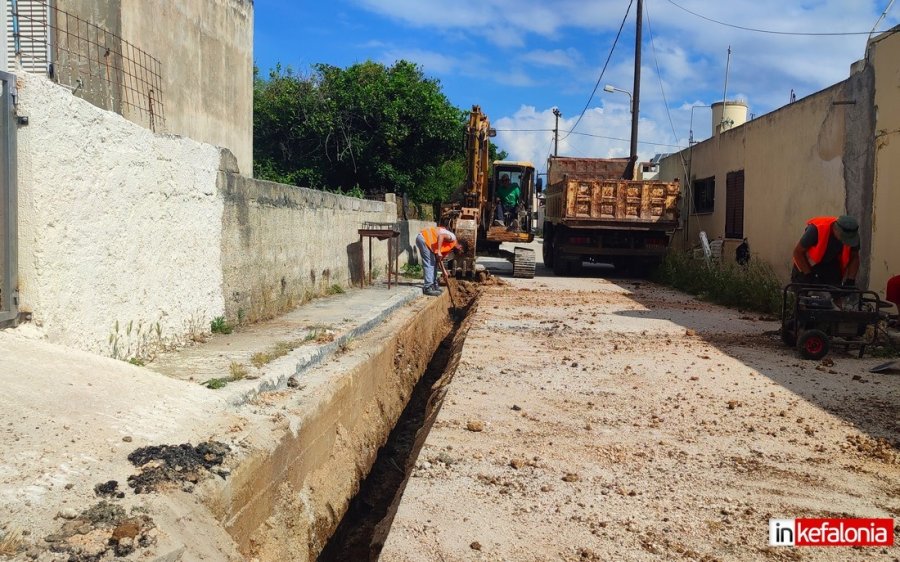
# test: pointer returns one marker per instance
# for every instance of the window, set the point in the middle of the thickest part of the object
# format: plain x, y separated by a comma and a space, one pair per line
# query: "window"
705, 195
734, 204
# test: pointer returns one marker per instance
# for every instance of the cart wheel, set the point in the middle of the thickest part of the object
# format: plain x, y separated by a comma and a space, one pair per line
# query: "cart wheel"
789, 335
813, 344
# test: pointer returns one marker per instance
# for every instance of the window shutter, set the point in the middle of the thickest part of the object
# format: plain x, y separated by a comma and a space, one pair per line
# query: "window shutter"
32, 18
734, 204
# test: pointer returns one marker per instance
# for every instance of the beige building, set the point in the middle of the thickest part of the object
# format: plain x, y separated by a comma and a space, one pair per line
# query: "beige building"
173, 66
827, 154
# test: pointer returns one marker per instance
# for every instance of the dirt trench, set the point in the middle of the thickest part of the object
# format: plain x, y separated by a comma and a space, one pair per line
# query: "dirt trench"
367, 523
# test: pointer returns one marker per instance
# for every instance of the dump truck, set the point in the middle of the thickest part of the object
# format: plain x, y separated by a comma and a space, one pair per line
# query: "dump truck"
472, 215
593, 214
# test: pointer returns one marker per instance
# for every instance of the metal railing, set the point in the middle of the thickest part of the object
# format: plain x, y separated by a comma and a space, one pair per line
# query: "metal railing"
96, 64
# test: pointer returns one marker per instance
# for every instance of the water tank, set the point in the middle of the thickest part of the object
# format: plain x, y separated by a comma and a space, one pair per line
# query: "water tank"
728, 114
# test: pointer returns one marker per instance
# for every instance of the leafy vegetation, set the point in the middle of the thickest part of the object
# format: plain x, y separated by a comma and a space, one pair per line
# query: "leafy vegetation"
219, 325
754, 287
411, 270
367, 129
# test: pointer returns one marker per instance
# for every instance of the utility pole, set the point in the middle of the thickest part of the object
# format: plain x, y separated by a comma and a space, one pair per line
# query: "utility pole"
636, 91
557, 113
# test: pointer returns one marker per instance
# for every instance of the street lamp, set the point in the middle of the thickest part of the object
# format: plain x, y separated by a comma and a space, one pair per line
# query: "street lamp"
612, 89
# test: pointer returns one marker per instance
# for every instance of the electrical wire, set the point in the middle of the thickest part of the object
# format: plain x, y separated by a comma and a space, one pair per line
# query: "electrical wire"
602, 72
773, 32
883, 15
659, 74
570, 132
663, 90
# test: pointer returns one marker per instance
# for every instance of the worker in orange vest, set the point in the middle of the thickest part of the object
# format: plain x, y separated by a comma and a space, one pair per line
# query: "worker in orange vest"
828, 252
434, 243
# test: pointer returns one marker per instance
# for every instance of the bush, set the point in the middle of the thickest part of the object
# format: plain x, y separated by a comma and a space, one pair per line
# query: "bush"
752, 287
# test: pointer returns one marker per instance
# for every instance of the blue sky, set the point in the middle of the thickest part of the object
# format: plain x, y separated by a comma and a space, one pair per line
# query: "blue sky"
519, 59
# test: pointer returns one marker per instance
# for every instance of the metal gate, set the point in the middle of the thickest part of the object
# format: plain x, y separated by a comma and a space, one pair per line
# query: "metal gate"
9, 284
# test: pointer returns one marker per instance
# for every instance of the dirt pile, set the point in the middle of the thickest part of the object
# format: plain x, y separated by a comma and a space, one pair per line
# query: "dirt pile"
100, 531
176, 464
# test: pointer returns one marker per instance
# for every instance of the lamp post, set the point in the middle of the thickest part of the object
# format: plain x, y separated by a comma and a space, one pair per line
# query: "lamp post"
612, 89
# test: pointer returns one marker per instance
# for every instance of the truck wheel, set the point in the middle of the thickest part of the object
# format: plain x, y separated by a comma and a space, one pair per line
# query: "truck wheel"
560, 265
813, 344
547, 249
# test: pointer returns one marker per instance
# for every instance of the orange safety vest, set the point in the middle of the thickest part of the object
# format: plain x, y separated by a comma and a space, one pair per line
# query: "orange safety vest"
431, 234
815, 254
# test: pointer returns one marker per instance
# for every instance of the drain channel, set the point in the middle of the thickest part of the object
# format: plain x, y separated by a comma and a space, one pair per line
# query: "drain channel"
363, 530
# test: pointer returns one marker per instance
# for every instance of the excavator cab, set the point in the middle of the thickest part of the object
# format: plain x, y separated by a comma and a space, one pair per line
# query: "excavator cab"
506, 220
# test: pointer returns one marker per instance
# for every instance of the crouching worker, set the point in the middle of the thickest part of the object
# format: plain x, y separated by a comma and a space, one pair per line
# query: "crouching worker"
828, 252
434, 244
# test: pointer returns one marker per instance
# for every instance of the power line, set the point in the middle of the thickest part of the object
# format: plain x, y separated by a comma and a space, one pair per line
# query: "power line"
659, 76
571, 132
773, 32
602, 72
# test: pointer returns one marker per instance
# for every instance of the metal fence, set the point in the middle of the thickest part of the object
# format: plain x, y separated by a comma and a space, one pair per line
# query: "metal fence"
96, 64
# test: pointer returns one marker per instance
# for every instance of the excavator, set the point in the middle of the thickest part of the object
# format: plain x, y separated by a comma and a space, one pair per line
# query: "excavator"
473, 215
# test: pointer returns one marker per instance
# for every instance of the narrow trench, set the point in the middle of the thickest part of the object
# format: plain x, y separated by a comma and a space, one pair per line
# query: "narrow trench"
364, 529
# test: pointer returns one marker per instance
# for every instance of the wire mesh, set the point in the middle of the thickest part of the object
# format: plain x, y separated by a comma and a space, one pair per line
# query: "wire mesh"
96, 64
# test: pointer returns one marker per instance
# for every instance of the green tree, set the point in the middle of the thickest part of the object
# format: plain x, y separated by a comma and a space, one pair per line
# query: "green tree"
368, 127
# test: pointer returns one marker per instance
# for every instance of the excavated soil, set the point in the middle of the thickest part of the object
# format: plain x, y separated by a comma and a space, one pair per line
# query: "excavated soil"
165, 465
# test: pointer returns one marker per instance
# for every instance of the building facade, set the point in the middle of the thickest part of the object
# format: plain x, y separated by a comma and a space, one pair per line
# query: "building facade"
183, 68
826, 154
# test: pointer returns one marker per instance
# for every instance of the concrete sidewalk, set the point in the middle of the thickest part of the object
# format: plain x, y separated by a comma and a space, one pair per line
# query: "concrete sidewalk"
69, 418
304, 338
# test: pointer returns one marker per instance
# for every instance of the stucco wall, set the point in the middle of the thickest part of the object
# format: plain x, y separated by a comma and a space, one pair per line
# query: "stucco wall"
885, 263
793, 170
205, 48
116, 225
122, 229
282, 245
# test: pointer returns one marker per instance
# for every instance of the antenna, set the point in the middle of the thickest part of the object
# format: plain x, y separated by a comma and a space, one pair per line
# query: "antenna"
727, 65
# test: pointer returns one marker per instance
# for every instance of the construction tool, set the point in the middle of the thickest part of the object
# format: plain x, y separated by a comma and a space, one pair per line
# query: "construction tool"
449, 286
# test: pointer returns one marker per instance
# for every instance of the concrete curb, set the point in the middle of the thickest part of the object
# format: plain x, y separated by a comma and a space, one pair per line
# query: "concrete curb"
305, 358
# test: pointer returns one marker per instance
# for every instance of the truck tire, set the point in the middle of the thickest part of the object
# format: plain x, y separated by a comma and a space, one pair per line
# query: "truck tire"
547, 249
560, 265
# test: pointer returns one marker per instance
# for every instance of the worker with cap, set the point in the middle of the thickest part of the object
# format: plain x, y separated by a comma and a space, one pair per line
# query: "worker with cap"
828, 252
434, 243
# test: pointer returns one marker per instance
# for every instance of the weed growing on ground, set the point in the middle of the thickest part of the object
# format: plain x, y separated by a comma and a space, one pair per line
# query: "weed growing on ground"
346, 345
11, 543
411, 270
335, 290
752, 287
280, 349
220, 326
238, 371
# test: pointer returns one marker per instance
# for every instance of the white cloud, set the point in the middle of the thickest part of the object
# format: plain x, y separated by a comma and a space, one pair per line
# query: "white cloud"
565, 58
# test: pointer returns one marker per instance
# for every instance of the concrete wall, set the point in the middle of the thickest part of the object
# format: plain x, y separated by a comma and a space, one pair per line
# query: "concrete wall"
206, 51
116, 225
809, 158
885, 59
281, 245
122, 230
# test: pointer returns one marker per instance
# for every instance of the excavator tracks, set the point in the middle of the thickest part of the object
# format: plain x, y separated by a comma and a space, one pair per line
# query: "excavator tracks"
523, 263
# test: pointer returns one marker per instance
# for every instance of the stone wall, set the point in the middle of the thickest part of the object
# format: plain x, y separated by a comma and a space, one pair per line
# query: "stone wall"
282, 245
